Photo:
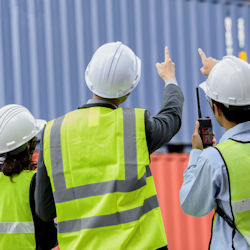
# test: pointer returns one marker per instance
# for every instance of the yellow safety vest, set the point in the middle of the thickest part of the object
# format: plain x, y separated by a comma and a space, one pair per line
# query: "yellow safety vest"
97, 161
16, 221
236, 156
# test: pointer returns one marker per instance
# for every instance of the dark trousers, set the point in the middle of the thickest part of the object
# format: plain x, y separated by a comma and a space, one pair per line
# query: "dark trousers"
163, 248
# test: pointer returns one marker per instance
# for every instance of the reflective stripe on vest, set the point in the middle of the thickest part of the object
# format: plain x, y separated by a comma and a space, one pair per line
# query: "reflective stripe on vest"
110, 219
236, 156
131, 194
241, 206
100, 188
17, 228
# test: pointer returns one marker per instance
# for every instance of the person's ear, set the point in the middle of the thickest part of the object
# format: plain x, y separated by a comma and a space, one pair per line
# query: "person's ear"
216, 109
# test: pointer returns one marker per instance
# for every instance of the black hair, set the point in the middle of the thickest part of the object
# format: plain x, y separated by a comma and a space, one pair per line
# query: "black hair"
237, 114
16, 163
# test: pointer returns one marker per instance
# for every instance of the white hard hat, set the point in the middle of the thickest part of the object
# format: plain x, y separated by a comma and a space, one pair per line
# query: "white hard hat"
229, 82
113, 71
17, 126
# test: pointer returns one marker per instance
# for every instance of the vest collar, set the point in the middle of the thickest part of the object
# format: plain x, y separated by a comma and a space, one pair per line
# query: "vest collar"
98, 103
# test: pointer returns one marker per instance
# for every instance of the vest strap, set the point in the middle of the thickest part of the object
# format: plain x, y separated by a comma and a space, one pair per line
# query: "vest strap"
56, 154
220, 212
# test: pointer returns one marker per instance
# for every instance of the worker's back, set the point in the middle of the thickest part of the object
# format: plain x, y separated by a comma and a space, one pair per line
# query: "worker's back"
102, 185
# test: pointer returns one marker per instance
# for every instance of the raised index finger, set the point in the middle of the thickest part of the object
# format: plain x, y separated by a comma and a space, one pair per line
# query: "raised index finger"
167, 57
202, 54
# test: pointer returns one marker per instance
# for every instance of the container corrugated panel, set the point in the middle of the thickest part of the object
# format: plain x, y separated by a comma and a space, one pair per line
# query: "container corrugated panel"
183, 231
45, 46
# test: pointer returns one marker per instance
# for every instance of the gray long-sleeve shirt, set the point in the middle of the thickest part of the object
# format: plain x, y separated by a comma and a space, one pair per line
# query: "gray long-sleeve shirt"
159, 131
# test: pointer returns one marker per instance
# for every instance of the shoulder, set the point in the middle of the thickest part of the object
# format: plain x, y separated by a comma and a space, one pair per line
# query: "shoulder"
132, 109
60, 118
138, 112
210, 152
212, 155
54, 123
28, 174
212, 160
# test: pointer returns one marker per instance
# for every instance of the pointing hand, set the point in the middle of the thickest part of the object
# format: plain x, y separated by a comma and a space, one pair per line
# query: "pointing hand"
166, 70
208, 63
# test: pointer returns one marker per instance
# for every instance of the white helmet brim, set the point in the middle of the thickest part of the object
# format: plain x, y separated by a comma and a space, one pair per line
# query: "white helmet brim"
204, 87
40, 125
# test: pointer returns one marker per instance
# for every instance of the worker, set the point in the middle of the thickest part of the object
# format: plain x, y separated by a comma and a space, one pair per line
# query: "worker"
93, 169
218, 177
20, 228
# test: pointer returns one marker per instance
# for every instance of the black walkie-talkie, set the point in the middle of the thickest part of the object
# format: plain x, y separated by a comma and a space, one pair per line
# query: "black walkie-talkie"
205, 130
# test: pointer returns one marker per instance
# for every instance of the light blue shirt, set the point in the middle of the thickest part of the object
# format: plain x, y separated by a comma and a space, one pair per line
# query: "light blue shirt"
205, 180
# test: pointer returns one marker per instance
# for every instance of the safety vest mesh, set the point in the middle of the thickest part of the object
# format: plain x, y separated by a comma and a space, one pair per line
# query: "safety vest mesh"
16, 221
237, 158
97, 160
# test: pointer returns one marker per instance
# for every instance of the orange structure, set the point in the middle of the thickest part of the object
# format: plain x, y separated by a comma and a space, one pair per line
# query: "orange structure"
183, 231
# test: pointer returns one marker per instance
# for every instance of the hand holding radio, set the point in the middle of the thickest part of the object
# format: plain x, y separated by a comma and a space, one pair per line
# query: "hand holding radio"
196, 138
205, 126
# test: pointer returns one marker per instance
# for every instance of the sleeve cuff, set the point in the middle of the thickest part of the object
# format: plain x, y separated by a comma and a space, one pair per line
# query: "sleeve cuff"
170, 82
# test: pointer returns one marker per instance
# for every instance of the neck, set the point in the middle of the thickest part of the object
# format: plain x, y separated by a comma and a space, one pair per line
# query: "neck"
114, 101
220, 117
227, 124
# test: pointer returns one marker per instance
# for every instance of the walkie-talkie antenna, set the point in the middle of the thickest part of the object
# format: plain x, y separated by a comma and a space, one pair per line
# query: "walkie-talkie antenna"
198, 102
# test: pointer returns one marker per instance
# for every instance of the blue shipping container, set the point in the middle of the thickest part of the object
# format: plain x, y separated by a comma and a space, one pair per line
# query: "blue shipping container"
45, 46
